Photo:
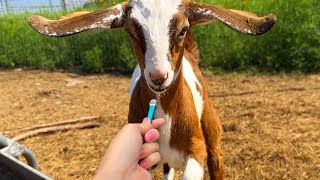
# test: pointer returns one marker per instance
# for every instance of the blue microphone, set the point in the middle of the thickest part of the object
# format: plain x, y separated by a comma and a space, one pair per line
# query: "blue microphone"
152, 108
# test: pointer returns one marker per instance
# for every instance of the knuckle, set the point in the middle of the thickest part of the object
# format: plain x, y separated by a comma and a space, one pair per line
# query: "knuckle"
156, 156
156, 146
157, 132
149, 125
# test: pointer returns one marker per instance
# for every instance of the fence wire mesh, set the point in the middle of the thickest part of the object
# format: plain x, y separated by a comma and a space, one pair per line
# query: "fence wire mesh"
21, 6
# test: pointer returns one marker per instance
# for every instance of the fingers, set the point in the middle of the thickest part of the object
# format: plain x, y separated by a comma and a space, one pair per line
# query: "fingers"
152, 135
150, 160
158, 122
148, 148
146, 125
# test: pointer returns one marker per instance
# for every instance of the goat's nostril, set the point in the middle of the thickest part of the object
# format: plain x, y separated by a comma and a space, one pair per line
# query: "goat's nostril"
159, 81
158, 77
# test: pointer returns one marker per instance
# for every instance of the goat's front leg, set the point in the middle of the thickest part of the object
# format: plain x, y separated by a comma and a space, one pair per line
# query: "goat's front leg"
211, 129
168, 173
195, 161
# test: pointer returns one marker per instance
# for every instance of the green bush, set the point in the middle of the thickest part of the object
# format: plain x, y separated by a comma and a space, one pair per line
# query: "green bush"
93, 60
6, 62
22, 46
292, 45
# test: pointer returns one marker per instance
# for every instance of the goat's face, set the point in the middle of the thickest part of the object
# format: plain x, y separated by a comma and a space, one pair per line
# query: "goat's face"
157, 29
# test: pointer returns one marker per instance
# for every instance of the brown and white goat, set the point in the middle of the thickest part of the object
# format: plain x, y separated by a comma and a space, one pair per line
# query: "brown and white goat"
168, 71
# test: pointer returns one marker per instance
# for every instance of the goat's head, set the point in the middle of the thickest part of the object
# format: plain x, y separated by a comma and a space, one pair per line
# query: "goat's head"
157, 29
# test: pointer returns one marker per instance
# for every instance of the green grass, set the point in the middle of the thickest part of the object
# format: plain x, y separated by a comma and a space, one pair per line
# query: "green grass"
292, 45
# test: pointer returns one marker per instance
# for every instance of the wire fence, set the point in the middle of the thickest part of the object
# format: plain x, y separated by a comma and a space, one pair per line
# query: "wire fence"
21, 6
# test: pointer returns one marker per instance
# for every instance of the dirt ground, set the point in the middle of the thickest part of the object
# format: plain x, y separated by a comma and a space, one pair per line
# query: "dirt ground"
271, 123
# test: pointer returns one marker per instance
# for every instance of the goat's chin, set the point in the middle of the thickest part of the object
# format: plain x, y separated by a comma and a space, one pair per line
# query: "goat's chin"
158, 90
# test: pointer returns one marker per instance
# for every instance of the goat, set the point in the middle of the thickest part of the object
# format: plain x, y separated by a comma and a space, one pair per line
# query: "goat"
168, 71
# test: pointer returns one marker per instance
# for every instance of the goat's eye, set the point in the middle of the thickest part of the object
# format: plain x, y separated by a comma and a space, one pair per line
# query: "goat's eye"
183, 31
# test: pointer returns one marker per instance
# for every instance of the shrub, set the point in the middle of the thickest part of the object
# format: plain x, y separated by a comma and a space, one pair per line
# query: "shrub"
292, 45
92, 61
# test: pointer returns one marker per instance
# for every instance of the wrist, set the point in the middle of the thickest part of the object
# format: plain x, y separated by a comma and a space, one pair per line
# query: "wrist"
108, 169
109, 173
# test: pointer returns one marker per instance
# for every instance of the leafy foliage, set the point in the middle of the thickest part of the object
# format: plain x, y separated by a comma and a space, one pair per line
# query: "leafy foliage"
292, 45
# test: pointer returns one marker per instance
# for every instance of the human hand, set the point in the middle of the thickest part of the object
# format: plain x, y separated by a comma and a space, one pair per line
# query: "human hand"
121, 160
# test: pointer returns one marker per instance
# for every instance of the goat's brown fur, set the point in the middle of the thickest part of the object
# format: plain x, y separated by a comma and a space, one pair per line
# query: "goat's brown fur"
186, 135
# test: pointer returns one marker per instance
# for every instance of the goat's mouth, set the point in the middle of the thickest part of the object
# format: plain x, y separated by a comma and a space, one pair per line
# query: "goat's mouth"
158, 89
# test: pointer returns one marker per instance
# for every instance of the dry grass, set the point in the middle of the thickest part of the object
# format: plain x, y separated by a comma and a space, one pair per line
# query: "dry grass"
271, 123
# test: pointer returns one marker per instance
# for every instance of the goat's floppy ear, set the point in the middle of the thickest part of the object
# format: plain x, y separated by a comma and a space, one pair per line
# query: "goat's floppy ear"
240, 21
80, 21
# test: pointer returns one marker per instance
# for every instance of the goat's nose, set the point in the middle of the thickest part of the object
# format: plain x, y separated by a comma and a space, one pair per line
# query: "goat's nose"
158, 77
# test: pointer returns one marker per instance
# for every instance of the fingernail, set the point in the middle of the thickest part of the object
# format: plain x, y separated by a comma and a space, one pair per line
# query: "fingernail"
141, 152
145, 119
151, 136
143, 164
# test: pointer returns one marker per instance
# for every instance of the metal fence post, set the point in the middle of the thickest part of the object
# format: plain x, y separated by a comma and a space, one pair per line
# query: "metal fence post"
50, 4
6, 5
63, 4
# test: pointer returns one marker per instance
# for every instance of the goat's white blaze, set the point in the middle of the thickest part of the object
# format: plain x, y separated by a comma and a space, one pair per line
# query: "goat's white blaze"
192, 81
154, 17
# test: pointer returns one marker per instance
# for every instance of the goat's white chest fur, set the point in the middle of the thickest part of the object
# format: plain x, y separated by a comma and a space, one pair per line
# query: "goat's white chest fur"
169, 155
